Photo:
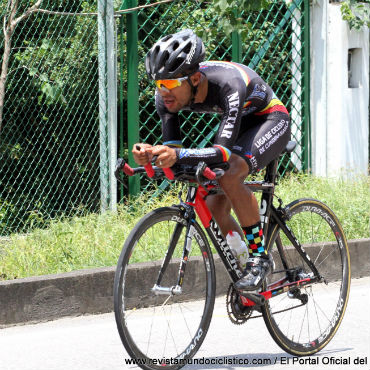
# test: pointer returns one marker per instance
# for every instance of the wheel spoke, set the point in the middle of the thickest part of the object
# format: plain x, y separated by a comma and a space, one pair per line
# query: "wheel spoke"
298, 327
168, 324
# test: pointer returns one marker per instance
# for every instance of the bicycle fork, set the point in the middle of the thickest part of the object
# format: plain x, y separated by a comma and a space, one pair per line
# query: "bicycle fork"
190, 232
195, 204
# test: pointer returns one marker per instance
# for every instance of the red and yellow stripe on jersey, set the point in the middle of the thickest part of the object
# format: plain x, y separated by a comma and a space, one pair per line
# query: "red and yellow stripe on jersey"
275, 105
240, 69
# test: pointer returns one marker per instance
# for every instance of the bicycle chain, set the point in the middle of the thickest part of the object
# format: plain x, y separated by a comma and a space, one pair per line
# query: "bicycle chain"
234, 304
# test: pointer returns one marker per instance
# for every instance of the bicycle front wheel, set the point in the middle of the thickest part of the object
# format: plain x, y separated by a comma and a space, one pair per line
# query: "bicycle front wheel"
164, 327
304, 319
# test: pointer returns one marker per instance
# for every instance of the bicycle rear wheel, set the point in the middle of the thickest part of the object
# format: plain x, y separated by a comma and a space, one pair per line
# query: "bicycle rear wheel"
305, 319
166, 329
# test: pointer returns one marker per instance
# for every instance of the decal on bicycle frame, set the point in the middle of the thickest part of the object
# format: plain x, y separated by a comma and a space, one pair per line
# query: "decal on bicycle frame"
226, 251
263, 210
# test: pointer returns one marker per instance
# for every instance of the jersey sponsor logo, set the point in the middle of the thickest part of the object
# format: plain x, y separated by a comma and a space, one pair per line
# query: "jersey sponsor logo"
252, 160
233, 105
259, 92
216, 64
203, 153
264, 142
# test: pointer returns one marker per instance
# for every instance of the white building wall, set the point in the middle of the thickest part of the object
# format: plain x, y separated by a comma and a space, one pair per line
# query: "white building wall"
339, 112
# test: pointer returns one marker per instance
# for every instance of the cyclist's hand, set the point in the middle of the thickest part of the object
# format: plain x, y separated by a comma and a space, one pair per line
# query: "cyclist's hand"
142, 156
166, 155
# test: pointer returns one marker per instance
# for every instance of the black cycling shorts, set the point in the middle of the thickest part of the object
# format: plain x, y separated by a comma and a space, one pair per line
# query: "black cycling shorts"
262, 138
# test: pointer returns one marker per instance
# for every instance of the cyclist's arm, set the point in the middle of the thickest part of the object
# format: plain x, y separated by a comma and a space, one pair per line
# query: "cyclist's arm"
259, 94
232, 99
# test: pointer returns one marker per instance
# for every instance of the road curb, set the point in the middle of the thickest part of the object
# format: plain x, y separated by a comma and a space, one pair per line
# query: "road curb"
49, 297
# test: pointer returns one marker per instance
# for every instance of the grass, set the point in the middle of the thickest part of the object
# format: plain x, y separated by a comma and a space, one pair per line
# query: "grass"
96, 240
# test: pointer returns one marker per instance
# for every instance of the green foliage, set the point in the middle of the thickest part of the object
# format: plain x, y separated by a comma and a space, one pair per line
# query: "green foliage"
49, 142
356, 13
232, 13
49, 147
95, 240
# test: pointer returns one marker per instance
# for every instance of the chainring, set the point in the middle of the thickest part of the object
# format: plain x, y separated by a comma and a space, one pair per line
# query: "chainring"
237, 312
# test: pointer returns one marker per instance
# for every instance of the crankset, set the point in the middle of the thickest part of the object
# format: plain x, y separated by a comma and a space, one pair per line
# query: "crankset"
237, 312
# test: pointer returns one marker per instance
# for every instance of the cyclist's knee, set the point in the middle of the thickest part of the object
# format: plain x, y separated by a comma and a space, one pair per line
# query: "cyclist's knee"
237, 172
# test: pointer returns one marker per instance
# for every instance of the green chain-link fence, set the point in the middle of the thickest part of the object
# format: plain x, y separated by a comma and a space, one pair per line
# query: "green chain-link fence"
49, 148
276, 46
53, 145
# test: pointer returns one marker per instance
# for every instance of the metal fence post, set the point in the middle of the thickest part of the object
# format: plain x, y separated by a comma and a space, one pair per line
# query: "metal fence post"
306, 138
236, 47
236, 44
296, 113
107, 104
132, 89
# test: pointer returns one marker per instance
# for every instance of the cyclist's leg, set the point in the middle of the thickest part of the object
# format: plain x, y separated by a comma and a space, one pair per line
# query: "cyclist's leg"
240, 197
220, 207
258, 145
264, 138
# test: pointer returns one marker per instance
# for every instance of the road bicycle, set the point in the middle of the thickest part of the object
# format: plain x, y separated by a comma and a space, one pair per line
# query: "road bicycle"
165, 282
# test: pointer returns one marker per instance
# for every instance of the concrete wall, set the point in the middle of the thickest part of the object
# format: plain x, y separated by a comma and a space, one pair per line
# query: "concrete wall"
339, 104
49, 297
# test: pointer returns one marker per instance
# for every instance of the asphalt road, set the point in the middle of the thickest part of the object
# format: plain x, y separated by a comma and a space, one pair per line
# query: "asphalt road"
92, 343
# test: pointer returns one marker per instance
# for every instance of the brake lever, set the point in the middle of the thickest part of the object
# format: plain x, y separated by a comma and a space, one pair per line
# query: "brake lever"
203, 171
121, 165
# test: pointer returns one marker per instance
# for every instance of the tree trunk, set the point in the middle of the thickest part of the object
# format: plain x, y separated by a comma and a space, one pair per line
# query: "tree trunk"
9, 25
8, 31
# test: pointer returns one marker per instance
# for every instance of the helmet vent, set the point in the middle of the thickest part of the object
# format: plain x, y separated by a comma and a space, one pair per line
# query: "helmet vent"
166, 38
176, 64
166, 56
187, 48
175, 45
156, 51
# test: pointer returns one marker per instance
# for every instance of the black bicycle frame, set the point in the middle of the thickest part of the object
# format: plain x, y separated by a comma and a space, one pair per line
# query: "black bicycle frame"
270, 217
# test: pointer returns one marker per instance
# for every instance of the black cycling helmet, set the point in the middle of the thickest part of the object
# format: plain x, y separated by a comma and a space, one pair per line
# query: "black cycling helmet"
174, 55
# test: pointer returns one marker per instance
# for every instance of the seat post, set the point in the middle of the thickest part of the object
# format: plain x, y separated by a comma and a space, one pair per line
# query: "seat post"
271, 171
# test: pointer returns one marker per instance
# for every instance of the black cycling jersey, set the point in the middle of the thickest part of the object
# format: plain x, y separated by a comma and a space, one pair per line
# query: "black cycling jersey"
236, 92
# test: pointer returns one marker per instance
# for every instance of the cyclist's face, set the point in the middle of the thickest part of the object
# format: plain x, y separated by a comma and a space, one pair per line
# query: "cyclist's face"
180, 96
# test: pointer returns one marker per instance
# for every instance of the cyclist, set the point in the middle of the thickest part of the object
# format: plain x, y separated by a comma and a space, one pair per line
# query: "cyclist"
254, 130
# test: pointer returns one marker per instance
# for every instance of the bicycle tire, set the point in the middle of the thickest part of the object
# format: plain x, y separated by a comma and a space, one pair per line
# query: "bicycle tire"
133, 307
307, 329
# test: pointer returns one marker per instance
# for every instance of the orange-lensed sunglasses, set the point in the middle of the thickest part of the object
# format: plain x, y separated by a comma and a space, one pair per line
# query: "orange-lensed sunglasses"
170, 84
